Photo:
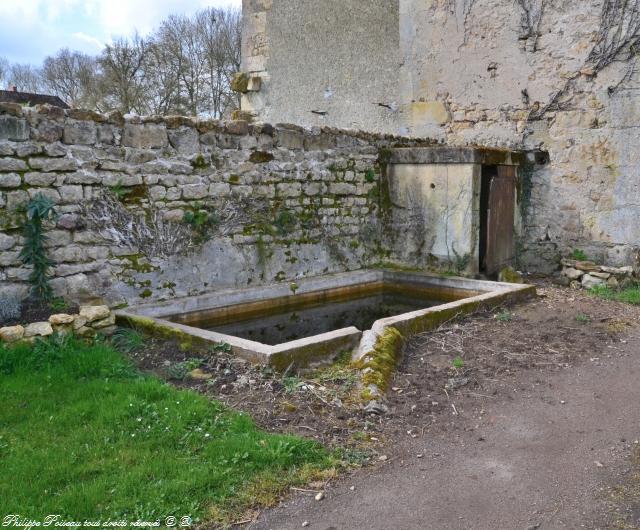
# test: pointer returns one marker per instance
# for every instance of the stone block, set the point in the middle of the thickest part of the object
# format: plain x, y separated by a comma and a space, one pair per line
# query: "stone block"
195, 191
289, 189
6, 241
48, 131
13, 128
93, 313
12, 164
61, 319
25, 149
589, 281
185, 140
342, 188
53, 164
80, 133
38, 329
70, 194
145, 136
11, 333
289, 139
219, 189
10, 180
40, 179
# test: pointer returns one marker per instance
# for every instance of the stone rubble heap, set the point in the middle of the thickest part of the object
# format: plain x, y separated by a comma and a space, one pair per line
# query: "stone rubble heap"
587, 274
90, 320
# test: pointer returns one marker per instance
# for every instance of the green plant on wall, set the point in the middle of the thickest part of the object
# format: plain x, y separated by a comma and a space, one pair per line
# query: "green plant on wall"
39, 209
200, 221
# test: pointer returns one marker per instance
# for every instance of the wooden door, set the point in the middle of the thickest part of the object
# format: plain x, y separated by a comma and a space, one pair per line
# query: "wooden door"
500, 245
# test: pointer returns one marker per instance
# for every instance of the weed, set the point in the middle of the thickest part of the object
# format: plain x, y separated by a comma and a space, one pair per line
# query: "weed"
582, 318
58, 304
460, 262
179, 371
221, 347
504, 316
200, 221
127, 340
120, 191
458, 363
578, 255
628, 295
284, 223
291, 384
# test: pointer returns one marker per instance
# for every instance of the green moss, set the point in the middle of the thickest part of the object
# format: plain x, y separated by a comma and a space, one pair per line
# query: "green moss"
379, 365
234, 179
370, 175
134, 264
147, 293
260, 157
199, 162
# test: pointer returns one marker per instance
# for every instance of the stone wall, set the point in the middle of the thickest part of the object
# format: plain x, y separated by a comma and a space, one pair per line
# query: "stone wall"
154, 208
483, 72
331, 62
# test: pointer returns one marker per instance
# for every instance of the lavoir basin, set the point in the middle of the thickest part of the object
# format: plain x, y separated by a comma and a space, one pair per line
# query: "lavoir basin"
315, 319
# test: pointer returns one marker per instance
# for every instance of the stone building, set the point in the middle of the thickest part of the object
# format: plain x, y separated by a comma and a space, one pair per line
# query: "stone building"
552, 77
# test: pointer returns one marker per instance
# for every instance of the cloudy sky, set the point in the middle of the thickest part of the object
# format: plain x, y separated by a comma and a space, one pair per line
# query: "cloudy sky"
32, 29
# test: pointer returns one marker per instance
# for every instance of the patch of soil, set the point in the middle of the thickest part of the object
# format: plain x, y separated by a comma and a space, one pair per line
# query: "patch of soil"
33, 310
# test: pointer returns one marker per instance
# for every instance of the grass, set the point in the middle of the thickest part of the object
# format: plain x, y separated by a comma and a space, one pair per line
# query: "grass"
84, 435
629, 295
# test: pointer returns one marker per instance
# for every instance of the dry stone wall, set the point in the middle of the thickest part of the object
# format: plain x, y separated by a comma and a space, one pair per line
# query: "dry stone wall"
152, 208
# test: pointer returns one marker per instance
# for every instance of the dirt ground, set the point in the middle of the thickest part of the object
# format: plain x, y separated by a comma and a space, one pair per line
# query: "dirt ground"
523, 417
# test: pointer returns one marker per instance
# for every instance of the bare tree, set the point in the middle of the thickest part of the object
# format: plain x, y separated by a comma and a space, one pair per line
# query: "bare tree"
26, 78
184, 67
72, 76
123, 83
4, 72
220, 35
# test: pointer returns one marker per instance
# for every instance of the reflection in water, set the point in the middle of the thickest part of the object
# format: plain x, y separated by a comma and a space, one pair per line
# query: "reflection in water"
291, 325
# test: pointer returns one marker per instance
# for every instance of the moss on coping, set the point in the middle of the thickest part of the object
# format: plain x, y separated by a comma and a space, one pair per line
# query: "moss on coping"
378, 366
151, 327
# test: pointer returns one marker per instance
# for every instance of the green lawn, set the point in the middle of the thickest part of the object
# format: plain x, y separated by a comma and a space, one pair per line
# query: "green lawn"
83, 435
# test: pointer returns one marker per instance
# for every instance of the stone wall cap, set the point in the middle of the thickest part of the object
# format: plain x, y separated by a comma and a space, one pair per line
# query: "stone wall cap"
456, 155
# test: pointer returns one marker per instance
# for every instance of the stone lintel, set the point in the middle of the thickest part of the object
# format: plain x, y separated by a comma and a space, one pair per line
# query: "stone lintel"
457, 155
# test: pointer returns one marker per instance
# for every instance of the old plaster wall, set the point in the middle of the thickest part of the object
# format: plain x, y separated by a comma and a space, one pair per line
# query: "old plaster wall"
334, 61
436, 207
155, 208
484, 72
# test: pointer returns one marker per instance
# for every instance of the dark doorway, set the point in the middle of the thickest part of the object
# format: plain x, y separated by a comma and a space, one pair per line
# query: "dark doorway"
497, 210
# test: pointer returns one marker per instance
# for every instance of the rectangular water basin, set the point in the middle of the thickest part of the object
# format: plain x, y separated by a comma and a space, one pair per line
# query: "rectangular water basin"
314, 320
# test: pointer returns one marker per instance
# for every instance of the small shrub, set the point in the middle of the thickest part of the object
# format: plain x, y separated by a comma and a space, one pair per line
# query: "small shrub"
39, 209
458, 363
10, 308
504, 316
582, 318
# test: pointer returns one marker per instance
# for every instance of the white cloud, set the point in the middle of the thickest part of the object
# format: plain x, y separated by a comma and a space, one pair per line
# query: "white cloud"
88, 38
48, 25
